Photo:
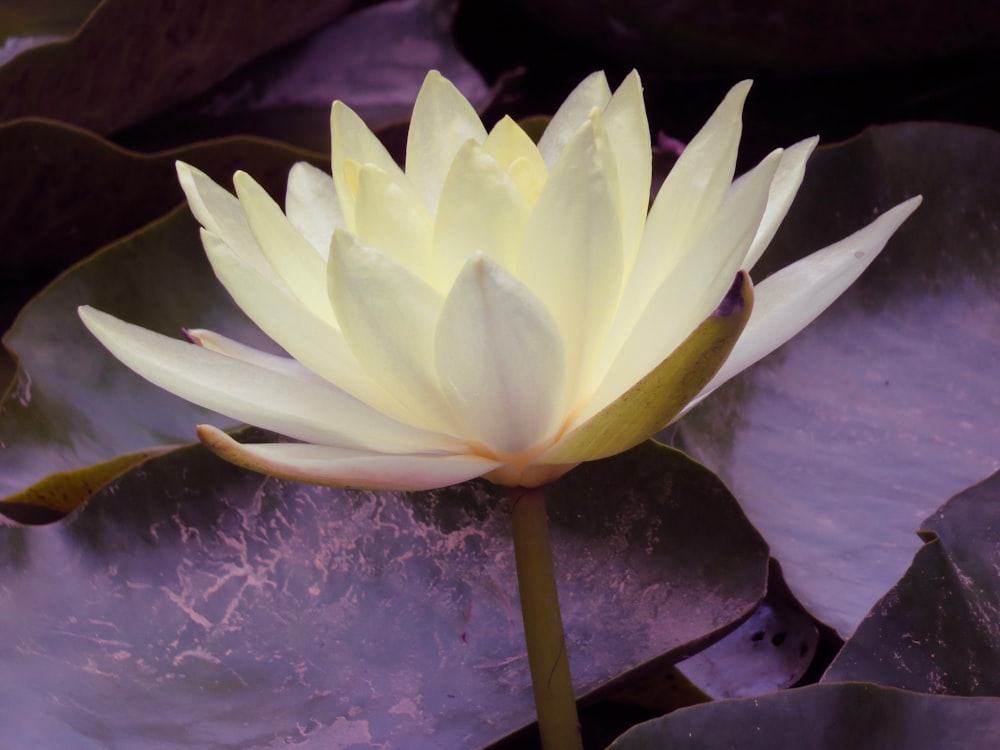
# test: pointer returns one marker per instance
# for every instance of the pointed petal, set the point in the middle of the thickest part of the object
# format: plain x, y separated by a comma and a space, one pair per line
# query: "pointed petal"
337, 467
688, 199
442, 121
792, 298
592, 92
387, 219
388, 316
253, 394
312, 206
649, 405
220, 212
628, 133
312, 341
692, 290
500, 359
507, 143
785, 185
216, 342
353, 143
572, 257
481, 210
289, 253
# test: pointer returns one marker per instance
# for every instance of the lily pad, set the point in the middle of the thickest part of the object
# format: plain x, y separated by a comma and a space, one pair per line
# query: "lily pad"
131, 59
374, 60
840, 443
938, 629
770, 651
824, 717
73, 410
71, 191
266, 613
25, 25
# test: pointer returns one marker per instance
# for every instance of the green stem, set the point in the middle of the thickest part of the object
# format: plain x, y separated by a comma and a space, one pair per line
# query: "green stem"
543, 631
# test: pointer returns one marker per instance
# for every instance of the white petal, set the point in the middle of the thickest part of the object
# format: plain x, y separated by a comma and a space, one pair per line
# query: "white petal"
220, 212
481, 210
692, 291
320, 464
388, 316
591, 93
352, 143
216, 342
312, 206
442, 121
292, 256
688, 199
390, 221
572, 258
253, 394
628, 132
786, 184
314, 342
500, 359
508, 143
789, 300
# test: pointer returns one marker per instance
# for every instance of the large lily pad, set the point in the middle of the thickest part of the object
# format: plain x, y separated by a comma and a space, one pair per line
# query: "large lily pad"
825, 717
70, 191
24, 25
938, 629
374, 60
193, 604
132, 58
73, 410
844, 440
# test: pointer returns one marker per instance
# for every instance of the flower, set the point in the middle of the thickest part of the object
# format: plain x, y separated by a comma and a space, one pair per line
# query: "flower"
499, 309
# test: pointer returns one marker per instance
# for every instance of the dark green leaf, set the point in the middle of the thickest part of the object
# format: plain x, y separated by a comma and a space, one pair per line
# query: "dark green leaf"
195, 605
374, 60
133, 58
857, 716
71, 191
938, 629
768, 652
841, 442
72, 405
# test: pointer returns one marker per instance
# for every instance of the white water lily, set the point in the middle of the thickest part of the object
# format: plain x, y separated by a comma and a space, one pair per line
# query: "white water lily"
499, 309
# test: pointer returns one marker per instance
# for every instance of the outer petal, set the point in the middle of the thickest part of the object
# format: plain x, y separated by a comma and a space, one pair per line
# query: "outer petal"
338, 467
216, 342
289, 253
388, 316
792, 298
388, 219
253, 394
691, 291
312, 206
352, 143
481, 210
785, 185
628, 133
649, 405
500, 359
591, 93
572, 258
442, 121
